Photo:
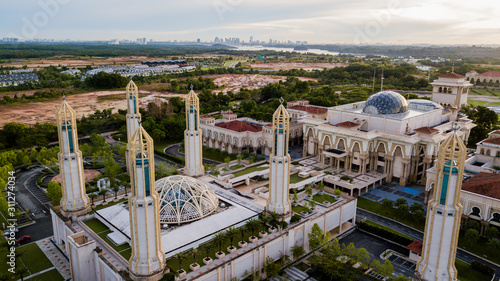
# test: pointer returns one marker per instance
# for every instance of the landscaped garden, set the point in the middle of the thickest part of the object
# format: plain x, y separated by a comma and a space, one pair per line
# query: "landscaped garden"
324, 197
250, 170
295, 178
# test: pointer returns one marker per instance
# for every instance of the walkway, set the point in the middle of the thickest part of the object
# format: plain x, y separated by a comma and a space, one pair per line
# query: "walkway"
174, 150
55, 256
412, 194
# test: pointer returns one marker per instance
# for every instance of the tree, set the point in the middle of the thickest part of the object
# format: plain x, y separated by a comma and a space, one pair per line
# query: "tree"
375, 265
274, 219
401, 278
103, 193
351, 251
252, 225
164, 170
337, 192
243, 230
194, 252
312, 204
227, 160
403, 210
264, 220
363, 256
272, 268
315, 237
231, 232
387, 203
239, 157
116, 188
416, 207
206, 248
493, 245
400, 201
472, 224
54, 192
92, 196
180, 257
295, 196
418, 215
471, 235
321, 186
297, 251
219, 238
309, 191
387, 269
491, 232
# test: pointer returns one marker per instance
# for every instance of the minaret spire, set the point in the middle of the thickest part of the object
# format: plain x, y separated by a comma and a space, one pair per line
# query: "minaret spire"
74, 201
279, 165
147, 261
133, 115
192, 137
443, 213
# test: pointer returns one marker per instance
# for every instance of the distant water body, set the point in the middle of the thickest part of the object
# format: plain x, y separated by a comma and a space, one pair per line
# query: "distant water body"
289, 50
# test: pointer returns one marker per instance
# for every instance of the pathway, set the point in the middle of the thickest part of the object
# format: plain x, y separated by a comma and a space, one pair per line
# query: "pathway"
54, 255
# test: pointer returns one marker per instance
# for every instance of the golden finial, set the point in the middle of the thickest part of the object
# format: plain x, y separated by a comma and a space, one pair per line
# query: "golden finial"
281, 100
453, 67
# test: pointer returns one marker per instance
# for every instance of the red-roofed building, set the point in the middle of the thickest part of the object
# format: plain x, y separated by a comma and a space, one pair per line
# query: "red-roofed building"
426, 130
348, 124
240, 126
299, 111
415, 250
491, 77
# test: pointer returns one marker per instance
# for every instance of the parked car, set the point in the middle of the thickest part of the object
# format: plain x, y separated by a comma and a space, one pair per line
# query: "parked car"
7, 233
23, 238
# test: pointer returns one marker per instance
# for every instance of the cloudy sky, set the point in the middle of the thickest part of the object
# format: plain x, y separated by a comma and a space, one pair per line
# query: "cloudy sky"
315, 21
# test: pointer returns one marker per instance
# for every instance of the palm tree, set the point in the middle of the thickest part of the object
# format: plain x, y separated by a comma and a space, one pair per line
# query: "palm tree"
206, 248
231, 232
252, 225
295, 196
116, 188
103, 192
243, 230
194, 252
274, 219
180, 257
312, 204
264, 220
219, 238
92, 196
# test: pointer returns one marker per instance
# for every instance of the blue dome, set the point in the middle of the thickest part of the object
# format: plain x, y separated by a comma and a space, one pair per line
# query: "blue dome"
386, 102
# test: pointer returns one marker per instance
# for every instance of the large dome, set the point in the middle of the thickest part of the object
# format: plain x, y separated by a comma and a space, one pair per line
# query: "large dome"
184, 199
386, 102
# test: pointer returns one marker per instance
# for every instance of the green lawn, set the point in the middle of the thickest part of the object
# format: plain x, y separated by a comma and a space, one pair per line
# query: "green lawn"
467, 273
234, 167
250, 170
102, 230
392, 213
161, 145
299, 209
52, 275
295, 178
473, 101
325, 197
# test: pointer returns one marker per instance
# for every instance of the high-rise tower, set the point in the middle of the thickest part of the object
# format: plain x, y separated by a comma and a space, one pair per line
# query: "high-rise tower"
147, 261
192, 137
74, 198
279, 165
443, 214
133, 115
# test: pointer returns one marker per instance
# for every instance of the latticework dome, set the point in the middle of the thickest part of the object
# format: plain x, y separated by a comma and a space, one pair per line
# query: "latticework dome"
184, 199
386, 102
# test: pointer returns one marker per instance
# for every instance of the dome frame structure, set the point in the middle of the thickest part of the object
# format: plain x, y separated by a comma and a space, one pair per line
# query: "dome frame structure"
184, 199
386, 102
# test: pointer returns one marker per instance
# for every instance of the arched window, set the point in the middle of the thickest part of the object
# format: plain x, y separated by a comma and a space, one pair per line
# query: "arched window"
495, 217
475, 212
440, 89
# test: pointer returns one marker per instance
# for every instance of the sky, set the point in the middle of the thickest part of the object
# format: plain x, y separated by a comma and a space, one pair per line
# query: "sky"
315, 21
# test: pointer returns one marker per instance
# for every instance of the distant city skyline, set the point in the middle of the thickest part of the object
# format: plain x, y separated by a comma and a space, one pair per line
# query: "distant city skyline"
315, 21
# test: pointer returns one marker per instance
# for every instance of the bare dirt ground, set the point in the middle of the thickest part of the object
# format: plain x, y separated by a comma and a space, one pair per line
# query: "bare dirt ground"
297, 65
83, 104
234, 82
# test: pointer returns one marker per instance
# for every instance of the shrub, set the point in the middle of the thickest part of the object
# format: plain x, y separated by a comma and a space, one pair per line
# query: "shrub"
386, 233
283, 224
295, 163
346, 178
295, 218
482, 268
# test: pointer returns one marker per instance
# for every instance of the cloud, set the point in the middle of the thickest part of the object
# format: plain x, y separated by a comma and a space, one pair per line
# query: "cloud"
319, 21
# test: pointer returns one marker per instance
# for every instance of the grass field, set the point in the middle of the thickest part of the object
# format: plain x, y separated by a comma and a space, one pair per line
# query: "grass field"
161, 145
467, 273
299, 209
250, 170
102, 230
325, 197
295, 178
52, 275
392, 213
473, 101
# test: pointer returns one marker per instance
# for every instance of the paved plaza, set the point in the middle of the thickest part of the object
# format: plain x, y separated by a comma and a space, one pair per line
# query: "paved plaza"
412, 193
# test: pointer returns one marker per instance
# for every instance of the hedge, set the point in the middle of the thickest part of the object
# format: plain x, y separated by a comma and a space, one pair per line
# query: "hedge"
482, 268
170, 157
386, 233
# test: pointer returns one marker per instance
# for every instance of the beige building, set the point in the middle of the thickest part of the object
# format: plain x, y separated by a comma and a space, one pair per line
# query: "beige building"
491, 77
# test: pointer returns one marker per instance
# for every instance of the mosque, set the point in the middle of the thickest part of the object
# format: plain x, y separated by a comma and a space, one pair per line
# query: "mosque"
176, 214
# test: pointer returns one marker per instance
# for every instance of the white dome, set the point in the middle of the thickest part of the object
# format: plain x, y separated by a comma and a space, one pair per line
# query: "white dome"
184, 199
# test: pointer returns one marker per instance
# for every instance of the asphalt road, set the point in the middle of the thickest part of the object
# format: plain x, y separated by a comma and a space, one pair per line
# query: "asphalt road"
29, 196
174, 150
418, 235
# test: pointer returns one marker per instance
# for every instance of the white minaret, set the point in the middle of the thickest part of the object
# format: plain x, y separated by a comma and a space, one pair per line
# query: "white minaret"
279, 165
133, 115
443, 214
192, 137
147, 261
74, 200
